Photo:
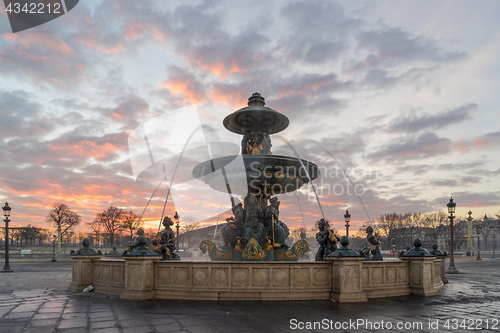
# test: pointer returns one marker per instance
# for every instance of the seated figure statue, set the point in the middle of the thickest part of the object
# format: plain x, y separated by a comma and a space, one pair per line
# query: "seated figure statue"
167, 242
234, 226
327, 240
133, 244
279, 232
254, 226
372, 253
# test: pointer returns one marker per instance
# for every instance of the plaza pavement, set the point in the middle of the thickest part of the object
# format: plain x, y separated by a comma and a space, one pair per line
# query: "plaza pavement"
34, 299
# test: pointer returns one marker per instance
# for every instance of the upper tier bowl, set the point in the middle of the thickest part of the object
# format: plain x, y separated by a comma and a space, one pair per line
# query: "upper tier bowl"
271, 174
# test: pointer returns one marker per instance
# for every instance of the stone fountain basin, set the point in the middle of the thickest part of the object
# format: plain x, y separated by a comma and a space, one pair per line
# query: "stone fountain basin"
273, 174
341, 279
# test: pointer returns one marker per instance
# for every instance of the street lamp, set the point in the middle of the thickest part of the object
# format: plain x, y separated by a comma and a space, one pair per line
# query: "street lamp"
451, 209
54, 238
494, 228
176, 216
478, 233
6, 213
347, 218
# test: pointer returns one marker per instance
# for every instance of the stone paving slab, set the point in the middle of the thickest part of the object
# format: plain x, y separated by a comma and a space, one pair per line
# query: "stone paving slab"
34, 299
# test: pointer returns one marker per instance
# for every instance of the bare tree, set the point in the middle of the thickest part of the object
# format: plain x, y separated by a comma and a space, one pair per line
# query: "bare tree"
386, 225
96, 229
189, 236
434, 225
150, 233
63, 217
111, 219
129, 222
487, 229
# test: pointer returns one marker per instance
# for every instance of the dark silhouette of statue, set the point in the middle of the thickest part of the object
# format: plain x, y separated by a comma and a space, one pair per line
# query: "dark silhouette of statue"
254, 226
256, 141
327, 240
271, 217
372, 253
167, 242
134, 243
234, 226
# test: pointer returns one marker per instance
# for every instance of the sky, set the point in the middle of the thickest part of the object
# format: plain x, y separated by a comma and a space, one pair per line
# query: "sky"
402, 96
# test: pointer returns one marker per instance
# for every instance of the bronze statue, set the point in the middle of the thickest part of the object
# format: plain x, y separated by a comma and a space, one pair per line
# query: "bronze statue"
372, 253
254, 226
277, 230
167, 242
239, 246
256, 141
245, 142
156, 244
133, 244
234, 226
269, 244
327, 240
266, 142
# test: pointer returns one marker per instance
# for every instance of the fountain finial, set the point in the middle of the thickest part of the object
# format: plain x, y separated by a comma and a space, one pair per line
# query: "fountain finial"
256, 100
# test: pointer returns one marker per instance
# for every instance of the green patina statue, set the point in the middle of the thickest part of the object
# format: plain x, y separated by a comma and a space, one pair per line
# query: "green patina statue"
372, 252
327, 240
167, 241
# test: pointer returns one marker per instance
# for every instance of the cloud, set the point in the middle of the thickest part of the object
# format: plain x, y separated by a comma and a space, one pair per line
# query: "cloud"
183, 84
472, 199
462, 181
319, 31
412, 123
393, 44
460, 165
486, 141
23, 116
416, 169
49, 57
424, 145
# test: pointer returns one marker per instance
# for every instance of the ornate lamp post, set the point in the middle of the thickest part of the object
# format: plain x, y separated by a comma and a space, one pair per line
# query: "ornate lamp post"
347, 218
54, 239
6, 213
478, 233
451, 209
469, 235
494, 228
59, 239
177, 225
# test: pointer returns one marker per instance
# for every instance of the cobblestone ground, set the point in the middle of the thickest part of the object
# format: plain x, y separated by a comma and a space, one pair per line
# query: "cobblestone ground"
34, 299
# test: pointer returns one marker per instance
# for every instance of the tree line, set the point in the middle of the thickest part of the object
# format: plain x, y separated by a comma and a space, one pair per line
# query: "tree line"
402, 229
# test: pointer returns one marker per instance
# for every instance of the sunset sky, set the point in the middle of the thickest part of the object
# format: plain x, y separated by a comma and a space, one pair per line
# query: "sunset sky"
404, 94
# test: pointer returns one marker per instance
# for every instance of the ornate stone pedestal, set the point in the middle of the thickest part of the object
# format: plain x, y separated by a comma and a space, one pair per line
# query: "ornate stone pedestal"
82, 267
139, 272
347, 268
424, 271
440, 255
346, 280
443, 268
82, 272
139, 278
424, 280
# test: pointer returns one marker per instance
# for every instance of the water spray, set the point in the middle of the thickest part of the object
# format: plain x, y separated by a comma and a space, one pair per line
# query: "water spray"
307, 173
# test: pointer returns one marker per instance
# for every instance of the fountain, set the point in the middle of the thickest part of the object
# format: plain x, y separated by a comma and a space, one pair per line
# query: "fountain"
255, 263
255, 232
